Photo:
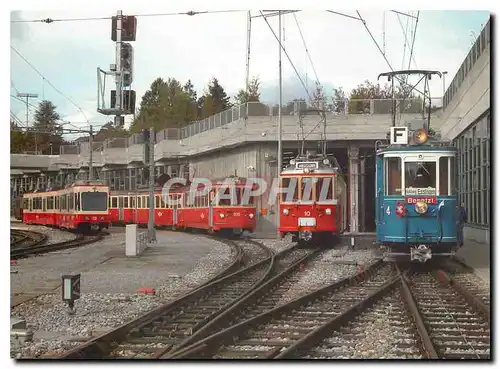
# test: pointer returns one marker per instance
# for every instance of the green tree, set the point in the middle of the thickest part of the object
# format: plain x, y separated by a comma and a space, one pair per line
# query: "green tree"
220, 100
338, 100
253, 94
110, 131
20, 141
48, 130
166, 104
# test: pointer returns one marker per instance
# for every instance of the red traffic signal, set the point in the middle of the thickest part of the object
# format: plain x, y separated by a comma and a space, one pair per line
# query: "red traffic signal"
129, 28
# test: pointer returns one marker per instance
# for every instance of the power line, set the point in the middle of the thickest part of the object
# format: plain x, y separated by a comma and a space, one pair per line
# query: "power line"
405, 33
23, 101
413, 41
190, 13
344, 15
12, 85
402, 81
50, 83
288, 57
305, 46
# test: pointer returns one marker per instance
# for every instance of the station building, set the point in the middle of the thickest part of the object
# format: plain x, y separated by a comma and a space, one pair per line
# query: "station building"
242, 141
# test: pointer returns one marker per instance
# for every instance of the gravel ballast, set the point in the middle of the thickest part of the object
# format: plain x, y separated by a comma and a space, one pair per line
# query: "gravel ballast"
109, 282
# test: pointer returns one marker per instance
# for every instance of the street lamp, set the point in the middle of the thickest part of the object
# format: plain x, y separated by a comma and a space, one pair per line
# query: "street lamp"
444, 81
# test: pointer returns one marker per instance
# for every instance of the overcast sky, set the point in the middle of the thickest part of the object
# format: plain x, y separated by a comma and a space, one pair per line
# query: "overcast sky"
214, 45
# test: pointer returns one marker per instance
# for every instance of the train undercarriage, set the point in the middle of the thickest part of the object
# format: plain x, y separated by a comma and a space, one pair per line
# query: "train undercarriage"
418, 252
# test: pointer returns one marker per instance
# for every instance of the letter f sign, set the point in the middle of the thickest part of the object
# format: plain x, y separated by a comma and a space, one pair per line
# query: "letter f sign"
399, 135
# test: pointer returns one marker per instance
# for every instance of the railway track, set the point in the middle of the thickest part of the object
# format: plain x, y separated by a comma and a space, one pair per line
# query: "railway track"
452, 322
80, 240
20, 238
423, 315
273, 332
170, 326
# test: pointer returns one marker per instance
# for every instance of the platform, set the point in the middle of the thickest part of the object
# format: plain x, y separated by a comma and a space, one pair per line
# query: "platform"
477, 255
104, 267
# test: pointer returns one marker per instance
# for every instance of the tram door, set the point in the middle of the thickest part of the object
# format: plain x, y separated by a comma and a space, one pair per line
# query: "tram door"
379, 196
120, 209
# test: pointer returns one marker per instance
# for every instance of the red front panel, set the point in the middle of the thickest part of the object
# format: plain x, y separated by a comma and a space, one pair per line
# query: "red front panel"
234, 217
324, 222
73, 220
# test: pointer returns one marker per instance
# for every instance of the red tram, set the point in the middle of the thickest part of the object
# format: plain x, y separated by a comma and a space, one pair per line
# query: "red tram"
81, 206
218, 208
312, 201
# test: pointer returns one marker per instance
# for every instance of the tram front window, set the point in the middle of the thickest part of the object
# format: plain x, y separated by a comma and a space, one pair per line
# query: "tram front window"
94, 201
420, 178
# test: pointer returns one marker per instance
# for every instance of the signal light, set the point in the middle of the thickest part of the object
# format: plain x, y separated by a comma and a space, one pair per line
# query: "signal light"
129, 28
127, 59
420, 136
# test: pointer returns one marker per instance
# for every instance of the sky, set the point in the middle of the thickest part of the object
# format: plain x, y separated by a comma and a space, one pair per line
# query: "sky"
200, 47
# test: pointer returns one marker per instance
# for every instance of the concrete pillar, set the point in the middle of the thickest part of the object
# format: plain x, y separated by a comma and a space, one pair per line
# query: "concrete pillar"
362, 200
353, 153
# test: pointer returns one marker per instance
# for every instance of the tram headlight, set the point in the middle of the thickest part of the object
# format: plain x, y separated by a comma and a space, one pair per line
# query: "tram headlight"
222, 215
250, 216
421, 207
420, 136
328, 211
285, 211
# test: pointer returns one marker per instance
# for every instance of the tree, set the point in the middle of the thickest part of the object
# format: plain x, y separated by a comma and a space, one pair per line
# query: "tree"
359, 100
165, 105
338, 101
318, 97
253, 94
220, 100
110, 131
20, 141
48, 131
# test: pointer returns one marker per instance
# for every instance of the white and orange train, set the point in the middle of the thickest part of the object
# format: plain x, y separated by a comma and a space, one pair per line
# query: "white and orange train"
184, 207
81, 206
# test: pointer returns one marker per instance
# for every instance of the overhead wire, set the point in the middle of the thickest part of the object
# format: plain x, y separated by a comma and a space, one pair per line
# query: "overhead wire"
286, 53
413, 40
307, 50
45, 79
190, 13
401, 80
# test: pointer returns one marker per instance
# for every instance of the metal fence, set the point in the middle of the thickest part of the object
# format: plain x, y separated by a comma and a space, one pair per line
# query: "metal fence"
257, 109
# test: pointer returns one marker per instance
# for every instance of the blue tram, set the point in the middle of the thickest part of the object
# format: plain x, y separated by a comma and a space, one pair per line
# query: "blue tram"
416, 198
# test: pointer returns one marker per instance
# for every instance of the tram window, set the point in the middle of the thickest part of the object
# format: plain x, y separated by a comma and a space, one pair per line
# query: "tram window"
57, 202
132, 202
139, 202
446, 176
114, 202
443, 176
94, 201
420, 178
44, 204
324, 188
289, 189
157, 201
228, 197
307, 189
125, 201
393, 176
145, 202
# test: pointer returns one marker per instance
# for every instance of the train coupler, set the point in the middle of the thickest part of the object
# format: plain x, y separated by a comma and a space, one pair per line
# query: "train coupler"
421, 253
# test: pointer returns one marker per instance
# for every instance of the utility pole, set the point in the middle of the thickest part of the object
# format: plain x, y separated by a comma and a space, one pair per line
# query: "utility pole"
91, 140
151, 221
280, 159
28, 96
119, 72
249, 29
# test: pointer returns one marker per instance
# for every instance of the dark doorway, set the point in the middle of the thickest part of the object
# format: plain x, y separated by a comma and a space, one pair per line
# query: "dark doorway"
367, 190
